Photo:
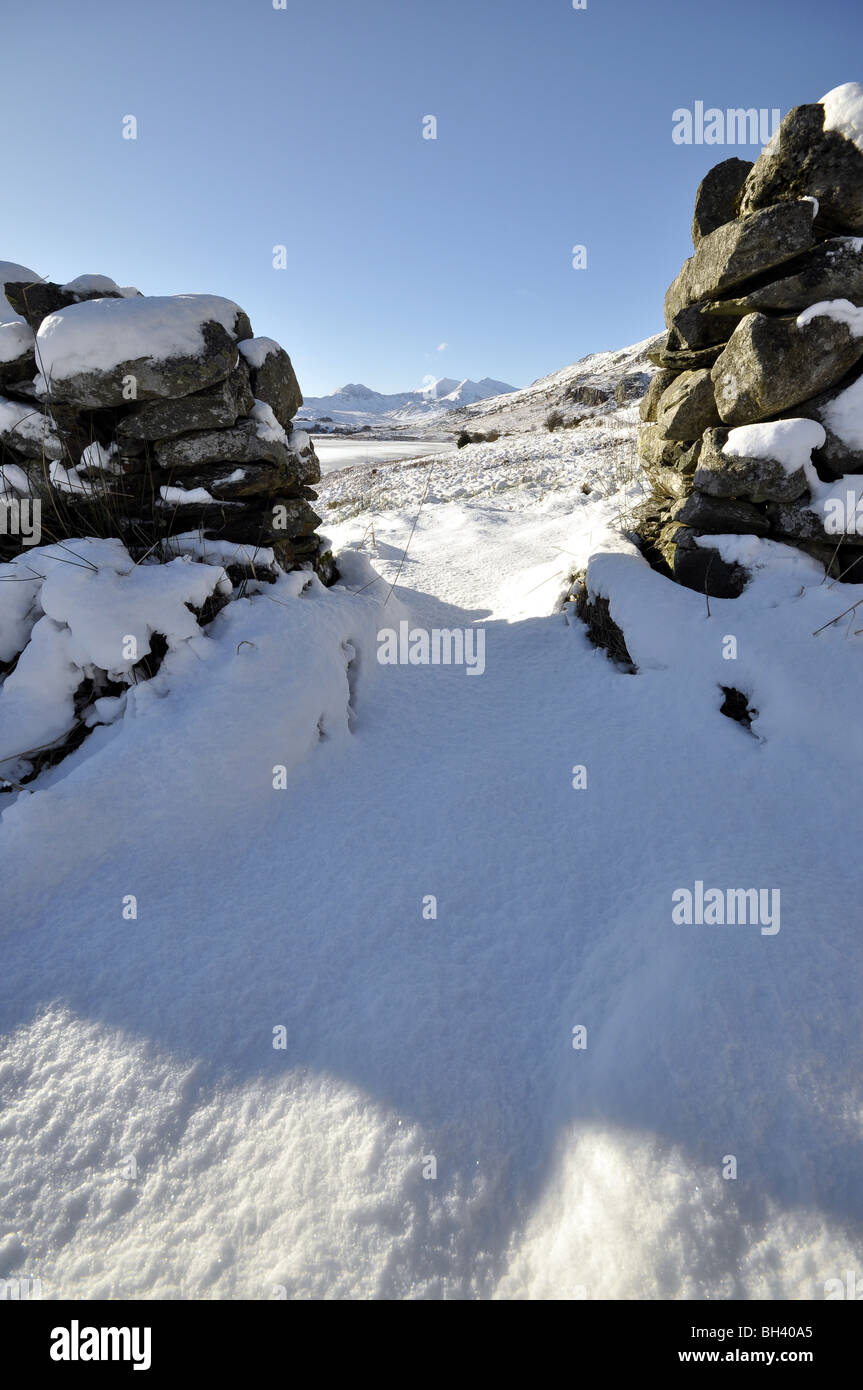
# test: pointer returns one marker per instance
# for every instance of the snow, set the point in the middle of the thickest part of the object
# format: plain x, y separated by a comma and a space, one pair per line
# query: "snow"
20, 423
787, 442
98, 334
257, 350
98, 456
561, 1173
86, 600
16, 335
842, 310
268, 426
13, 481
91, 284
216, 552
843, 111
16, 338
844, 415
181, 497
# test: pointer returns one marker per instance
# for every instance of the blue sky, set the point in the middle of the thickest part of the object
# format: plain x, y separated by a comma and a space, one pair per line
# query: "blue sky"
302, 127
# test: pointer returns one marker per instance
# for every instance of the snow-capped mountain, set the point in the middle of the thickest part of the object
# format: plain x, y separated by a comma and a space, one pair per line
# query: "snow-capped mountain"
355, 405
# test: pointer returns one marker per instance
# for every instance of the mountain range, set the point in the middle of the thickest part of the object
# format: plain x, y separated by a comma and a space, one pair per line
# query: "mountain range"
355, 405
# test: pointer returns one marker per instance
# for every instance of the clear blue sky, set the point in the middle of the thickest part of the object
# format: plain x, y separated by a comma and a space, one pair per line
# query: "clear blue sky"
303, 127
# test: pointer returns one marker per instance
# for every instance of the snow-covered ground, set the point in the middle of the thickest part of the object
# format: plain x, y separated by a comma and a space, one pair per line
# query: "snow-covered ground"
156, 1143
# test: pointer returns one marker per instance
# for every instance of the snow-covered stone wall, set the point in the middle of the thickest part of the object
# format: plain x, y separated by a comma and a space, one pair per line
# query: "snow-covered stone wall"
149, 418
754, 423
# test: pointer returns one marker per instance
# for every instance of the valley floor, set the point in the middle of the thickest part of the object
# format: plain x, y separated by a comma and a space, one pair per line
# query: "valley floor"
155, 1142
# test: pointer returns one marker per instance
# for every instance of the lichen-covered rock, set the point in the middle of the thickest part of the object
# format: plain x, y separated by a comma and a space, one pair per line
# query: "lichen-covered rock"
720, 516
217, 407
273, 378
687, 407
242, 443
754, 479
659, 382
740, 250
772, 364
107, 352
668, 482
655, 448
831, 270
806, 160
706, 325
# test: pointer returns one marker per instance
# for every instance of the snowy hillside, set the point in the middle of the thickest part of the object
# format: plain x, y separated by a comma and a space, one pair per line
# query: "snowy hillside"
244, 1057
355, 405
594, 385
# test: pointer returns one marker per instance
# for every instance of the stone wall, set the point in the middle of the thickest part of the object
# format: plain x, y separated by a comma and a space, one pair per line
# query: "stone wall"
754, 421
147, 417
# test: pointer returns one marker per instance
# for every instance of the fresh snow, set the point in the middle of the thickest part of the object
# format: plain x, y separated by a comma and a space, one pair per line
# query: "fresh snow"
26, 424
787, 442
844, 415
843, 111
842, 310
257, 350
267, 426
98, 334
92, 284
262, 1172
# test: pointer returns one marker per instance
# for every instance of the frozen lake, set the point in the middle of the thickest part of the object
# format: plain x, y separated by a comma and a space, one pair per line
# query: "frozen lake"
346, 453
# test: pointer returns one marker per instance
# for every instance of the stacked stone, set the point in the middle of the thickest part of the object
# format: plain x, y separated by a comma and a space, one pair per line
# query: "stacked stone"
771, 239
200, 440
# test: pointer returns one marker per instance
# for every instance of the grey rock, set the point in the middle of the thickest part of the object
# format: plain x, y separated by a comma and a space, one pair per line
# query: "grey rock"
717, 197
240, 444
655, 448
793, 522
217, 407
670, 355
588, 395
754, 479
700, 567
660, 382
770, 365
831, 270
721, 516
704, 326
687, 408
35, 301
668, 482
740, 250
275, 383
631, 387
805, 160
172, 377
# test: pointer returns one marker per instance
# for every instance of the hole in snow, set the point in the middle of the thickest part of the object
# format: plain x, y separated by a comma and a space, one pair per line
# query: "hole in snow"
736, 706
